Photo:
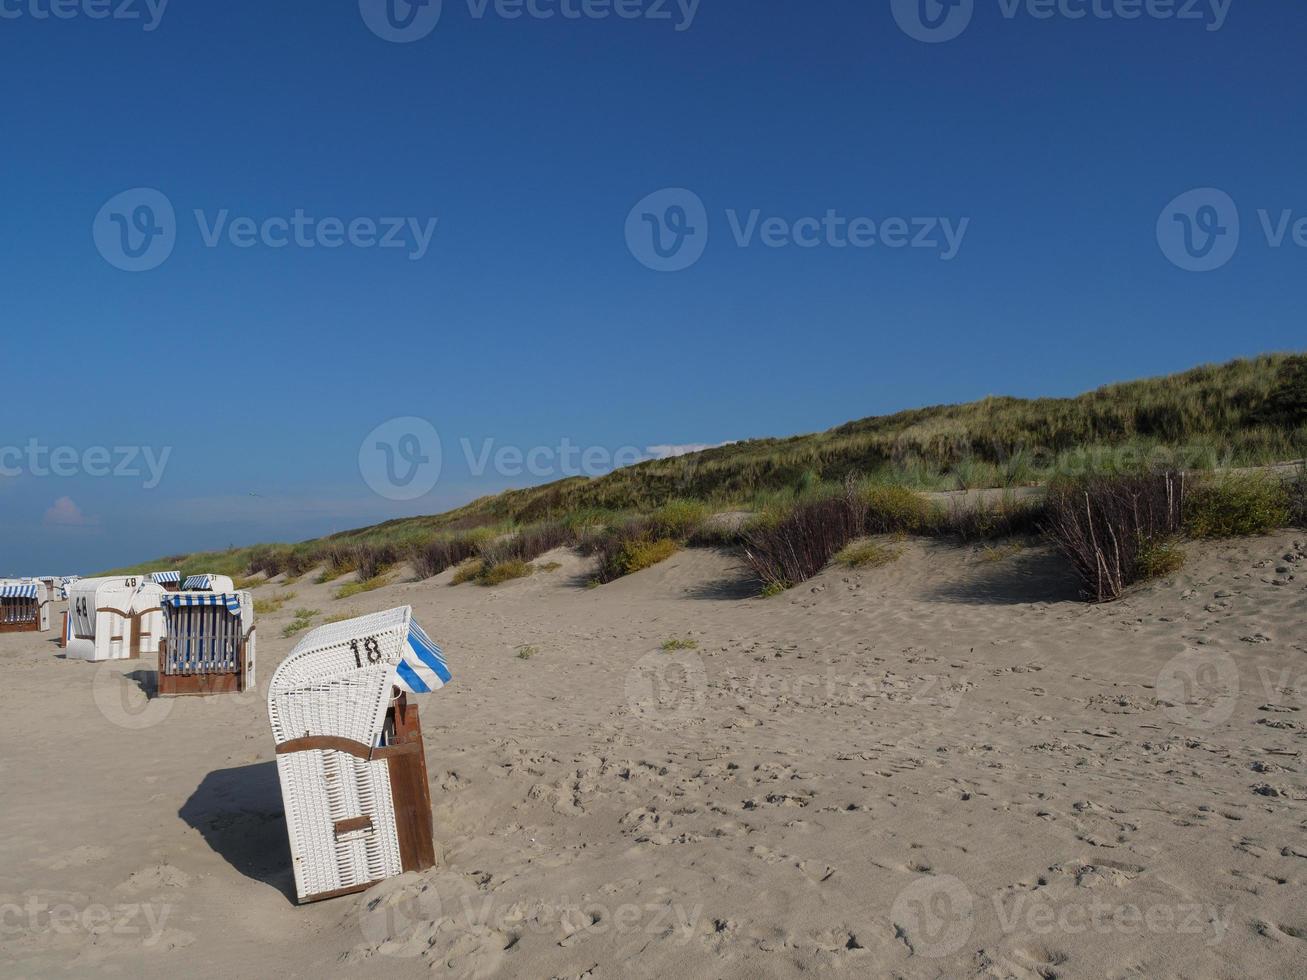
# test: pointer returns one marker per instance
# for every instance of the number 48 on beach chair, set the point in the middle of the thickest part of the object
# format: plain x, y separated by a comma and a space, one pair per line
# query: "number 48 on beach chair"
349, 752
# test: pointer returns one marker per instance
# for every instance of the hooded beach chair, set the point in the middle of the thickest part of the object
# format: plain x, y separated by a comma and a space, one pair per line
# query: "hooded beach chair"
113, 618
208, 643
171, 581
349, 752
208, 582
24, 606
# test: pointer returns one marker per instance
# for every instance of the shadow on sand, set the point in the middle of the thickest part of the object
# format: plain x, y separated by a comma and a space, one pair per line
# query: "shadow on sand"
239, 813
1028, 577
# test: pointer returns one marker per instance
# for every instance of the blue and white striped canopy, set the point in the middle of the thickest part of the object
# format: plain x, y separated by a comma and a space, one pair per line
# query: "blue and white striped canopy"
422, 669
165, 578
198, 582
17, 591
231, 602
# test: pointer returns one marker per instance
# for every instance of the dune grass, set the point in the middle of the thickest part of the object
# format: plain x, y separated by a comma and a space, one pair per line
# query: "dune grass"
1246, 412
866, 554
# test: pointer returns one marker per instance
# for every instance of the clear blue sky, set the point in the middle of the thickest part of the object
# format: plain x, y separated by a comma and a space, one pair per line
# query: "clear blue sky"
529, 320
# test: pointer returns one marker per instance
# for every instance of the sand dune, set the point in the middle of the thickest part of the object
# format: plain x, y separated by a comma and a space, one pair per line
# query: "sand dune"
944, 767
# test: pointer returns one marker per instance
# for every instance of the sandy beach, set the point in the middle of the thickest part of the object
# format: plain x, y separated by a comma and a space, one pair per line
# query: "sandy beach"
943, 767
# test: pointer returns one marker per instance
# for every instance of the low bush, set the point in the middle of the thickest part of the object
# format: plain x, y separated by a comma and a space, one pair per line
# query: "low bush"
371, 560
434, 555
784, 551
678, 520
1296, 490
467, 571
1108, 527
503, 571
1236, 506
629, 548
338, 561
866, 554
364, 585
991, 519
1158, 558
272, 604
893, 509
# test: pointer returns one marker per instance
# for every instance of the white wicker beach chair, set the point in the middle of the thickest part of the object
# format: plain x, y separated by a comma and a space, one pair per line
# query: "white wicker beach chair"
114, 618
349, 752
208, 645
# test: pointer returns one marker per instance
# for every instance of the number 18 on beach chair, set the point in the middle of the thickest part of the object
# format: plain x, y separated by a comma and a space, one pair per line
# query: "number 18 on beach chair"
349, 752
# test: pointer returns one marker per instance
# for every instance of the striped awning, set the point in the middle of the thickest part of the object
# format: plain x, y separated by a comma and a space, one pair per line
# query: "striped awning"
17, 591
232, 603
198, 582
165, 578
422, 668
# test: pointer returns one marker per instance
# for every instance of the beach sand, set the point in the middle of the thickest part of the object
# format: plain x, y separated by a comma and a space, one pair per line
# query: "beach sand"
943, 767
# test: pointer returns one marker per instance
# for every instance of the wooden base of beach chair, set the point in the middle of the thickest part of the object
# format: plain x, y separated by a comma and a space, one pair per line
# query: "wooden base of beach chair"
183, 685
20, 627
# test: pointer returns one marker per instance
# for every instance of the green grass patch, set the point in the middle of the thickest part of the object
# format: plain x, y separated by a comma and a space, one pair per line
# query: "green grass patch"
677, 643
1159, 558
272, 604
1237, 505
342, 616
504, 571
526, 652
867, 554
467, 571
355, 588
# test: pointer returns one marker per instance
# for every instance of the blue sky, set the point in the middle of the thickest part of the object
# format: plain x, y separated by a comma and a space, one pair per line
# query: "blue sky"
527, 318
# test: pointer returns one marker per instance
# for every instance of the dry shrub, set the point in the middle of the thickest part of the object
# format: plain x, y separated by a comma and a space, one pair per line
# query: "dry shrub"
790, 549
1109, 526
